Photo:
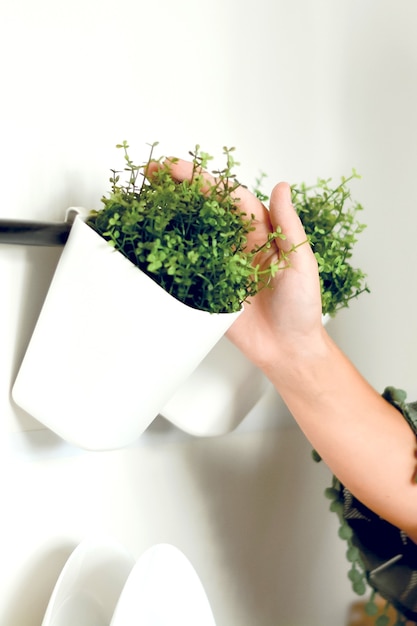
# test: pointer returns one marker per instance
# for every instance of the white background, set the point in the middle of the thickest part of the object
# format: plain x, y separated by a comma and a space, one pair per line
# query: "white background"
302, 89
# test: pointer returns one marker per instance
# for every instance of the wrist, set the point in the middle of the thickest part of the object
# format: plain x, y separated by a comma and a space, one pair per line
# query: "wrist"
298, 361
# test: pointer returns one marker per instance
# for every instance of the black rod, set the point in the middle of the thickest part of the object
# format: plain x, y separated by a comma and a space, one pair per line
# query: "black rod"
34, 233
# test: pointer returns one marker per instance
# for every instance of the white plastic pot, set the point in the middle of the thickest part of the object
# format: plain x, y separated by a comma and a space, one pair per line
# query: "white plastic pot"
219, 393
110, 347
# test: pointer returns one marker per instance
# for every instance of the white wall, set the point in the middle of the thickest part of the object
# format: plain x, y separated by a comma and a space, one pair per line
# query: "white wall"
302, 90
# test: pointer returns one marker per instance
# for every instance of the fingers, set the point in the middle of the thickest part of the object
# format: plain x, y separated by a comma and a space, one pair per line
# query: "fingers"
281, 211
247, 202
180, 170
283, 214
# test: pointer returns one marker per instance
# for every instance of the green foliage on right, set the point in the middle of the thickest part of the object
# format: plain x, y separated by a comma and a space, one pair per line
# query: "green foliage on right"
357, 573
360, 578
329, 216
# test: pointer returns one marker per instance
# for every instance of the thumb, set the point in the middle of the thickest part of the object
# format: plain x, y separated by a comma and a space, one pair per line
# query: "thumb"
283, 214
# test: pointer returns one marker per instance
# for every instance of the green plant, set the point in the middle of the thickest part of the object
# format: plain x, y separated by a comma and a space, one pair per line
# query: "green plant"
329, 216
359, 572
189, 236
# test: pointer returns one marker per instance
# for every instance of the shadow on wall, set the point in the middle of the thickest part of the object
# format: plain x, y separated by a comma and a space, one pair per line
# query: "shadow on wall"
36, 584
40, 265
266, 505
38, 270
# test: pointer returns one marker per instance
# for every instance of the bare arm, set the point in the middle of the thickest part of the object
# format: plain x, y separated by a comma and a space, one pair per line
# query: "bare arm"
364, 440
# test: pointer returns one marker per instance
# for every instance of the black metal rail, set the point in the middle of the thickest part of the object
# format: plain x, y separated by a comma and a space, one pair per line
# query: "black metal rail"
30, 233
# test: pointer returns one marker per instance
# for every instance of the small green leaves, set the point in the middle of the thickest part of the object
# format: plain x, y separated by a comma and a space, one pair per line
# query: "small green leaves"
371, 608
315, 456
381, 614
345, 532
357, 573
331, 493
354, 574
257, 188
352, 554
189, 236
398, 397
329, 217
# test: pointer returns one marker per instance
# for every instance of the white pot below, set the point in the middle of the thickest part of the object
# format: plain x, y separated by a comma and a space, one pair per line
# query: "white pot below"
219, 393
163, 589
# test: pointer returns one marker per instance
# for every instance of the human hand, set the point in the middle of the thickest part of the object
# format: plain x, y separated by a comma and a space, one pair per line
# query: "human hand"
288, 312
279, 320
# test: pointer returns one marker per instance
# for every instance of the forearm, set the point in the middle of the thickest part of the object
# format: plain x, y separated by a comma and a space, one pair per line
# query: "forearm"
363, 439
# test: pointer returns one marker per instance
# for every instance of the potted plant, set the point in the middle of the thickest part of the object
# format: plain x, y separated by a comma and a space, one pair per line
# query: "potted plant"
143, 290
330, 219
383, 568
224, 388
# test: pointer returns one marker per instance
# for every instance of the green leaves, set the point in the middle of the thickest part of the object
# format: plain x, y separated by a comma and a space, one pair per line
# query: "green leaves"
329, 217
189, 236
384, 614
381, 614
357, 572
330, 220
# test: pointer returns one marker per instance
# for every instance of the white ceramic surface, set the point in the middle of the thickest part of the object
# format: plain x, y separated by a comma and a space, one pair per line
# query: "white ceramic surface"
89, 585
110, 347
219, 394
163, 589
